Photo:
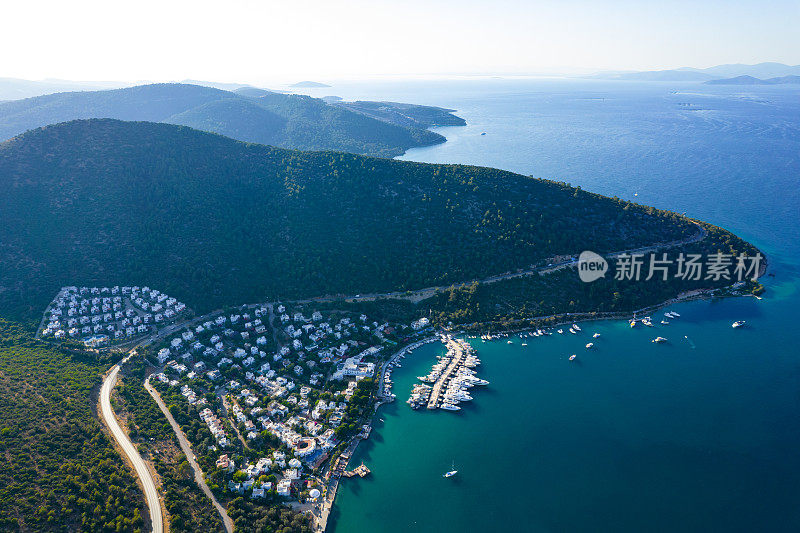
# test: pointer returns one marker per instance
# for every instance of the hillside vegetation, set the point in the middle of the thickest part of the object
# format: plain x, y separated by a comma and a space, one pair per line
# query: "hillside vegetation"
409, 115
59, 470
286, 120
214, 222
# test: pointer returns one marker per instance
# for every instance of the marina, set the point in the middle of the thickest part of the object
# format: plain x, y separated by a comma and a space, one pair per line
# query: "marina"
448, 382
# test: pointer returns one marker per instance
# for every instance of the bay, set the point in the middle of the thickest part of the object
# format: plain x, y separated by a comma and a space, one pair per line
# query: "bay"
699, 434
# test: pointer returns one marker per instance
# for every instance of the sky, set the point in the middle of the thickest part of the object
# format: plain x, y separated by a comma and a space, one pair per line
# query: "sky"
262, 42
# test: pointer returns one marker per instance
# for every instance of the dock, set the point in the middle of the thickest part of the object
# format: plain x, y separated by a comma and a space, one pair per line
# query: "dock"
460, 353
360, 471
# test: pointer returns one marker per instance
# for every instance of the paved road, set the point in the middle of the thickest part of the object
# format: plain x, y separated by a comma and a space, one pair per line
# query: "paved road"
187, 451
150, 492
418, 295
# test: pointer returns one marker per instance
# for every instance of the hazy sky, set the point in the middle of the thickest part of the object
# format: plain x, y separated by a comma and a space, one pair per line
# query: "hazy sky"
261, 42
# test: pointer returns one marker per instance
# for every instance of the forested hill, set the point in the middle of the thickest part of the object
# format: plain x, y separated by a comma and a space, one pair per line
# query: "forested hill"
409, 115
214, 221
289, 121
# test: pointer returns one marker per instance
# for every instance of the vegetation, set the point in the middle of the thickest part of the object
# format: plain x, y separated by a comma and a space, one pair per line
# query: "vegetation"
409, 115
512, 301
286, 120
189, 509
216, 222
249, 517
60, 472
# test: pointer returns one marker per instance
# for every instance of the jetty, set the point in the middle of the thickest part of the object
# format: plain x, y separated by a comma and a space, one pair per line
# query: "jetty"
360, 471
459, 353
449, 378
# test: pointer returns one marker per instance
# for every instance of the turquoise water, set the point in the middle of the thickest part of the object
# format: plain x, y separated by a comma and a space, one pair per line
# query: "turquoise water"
700, 434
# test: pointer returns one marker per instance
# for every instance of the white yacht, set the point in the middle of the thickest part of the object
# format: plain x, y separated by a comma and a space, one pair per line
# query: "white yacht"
738, 324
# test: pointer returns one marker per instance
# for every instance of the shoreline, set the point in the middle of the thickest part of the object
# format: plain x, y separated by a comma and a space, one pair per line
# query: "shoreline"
330, 494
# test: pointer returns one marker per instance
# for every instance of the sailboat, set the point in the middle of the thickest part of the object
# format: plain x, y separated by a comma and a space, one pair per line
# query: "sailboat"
452, 472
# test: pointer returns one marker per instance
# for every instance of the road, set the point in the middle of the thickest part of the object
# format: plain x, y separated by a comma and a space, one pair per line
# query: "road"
187, 451
149, 485
415, 296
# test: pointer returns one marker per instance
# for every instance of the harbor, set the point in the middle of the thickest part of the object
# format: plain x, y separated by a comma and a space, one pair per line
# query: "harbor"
448, 382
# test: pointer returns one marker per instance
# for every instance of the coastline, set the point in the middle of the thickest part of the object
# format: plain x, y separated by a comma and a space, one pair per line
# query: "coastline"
561, 319
332, 485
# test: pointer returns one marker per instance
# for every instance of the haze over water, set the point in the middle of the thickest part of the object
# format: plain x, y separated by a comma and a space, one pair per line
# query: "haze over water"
700, 434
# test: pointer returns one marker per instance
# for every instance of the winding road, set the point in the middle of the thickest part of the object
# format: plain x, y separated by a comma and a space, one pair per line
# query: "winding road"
187, 451
149, 485
143, 472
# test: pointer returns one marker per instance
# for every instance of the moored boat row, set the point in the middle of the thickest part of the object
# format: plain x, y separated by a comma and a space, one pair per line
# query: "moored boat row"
450, 378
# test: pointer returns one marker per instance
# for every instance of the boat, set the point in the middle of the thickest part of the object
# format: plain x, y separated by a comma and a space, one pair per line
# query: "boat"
510, 342
450, 407
572, 331
561, 331
595, 335
590, 346
665, 322
576, 327
674, 314
452, 472
572, 357
659, 340
633, 322
524, 343
738, 324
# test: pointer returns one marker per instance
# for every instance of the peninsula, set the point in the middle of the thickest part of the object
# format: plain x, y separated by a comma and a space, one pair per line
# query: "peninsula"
355, 260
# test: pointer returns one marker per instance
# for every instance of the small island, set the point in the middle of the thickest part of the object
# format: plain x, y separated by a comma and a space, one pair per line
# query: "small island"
309, 85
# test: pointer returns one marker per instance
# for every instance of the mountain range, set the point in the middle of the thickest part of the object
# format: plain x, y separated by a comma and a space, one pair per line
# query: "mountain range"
750, 80
759, 70
217, 222
248, 114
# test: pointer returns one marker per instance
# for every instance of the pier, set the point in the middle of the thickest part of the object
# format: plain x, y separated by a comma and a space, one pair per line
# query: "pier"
460, 353
361, 471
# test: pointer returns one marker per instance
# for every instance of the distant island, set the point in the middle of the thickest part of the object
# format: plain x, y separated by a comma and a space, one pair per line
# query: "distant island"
760, 70
309, 84
750, 80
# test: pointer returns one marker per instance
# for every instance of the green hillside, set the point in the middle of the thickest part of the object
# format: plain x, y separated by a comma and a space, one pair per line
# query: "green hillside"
60, 471
289, 121
214, 221
409, 115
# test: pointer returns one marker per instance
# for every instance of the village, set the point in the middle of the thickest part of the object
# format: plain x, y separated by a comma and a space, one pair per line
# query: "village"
282, 391
103, 316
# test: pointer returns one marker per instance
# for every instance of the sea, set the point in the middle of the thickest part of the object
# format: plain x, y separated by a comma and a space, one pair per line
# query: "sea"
700, 434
